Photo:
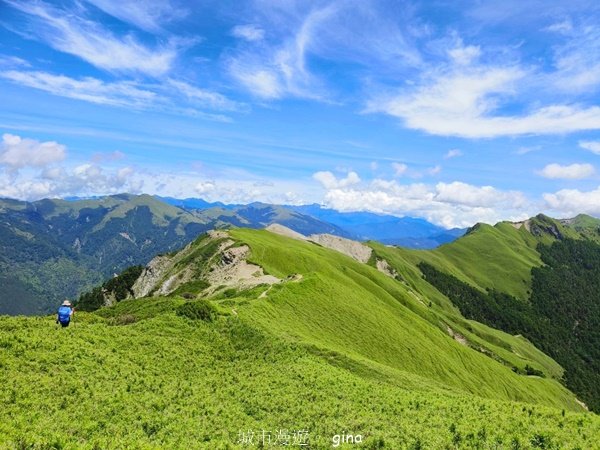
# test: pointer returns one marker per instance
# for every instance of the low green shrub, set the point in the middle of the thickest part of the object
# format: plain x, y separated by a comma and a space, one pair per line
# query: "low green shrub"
198, 310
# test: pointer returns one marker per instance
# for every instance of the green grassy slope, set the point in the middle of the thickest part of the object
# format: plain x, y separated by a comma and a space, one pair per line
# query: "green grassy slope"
355, 310
499, 257
169, 382
514, 350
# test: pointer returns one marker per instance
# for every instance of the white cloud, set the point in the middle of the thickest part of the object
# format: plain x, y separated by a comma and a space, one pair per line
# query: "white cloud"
205, 98
120, 93
130, 94
248, 32
330, 181
17, 152
149, 15
434, 170
524, 150
570, 172
361, 33
465, 55
592, 146
205, 187
9, 62
450, 205
273, 72
258, 81
71, 33
477, 196
563, 27
463, 103
82, 180
399, 169
577, 60
453, 153
570, 202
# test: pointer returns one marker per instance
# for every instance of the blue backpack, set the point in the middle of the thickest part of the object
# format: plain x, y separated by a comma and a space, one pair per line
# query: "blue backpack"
64, 314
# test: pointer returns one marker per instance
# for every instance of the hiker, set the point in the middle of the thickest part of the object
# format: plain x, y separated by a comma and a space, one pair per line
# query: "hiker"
65, 312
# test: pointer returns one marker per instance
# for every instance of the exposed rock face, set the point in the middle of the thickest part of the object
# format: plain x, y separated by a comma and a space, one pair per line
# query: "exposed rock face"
227, 266
354, 249
285, 231
151, 275
348, 247
383, 266
234, 270
525, 223
457, 336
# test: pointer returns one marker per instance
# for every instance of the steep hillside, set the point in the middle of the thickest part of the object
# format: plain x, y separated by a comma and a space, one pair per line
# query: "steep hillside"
52, 249
537, 278
496, 257
143, 376
301, 290
248, 330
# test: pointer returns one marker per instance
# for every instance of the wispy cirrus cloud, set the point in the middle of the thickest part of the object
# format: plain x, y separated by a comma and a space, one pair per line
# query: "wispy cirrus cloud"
577, 59
131, 94
274, 71
204, 97
73, 33
249, 32
358, 33
149, 15
93, 90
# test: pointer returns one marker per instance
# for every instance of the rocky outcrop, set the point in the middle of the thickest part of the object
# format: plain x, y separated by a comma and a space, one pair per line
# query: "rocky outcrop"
285, 231
151, 275
348, 247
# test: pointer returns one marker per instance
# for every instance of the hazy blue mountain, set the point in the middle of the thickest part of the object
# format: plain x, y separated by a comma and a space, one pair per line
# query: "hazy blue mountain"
405, 231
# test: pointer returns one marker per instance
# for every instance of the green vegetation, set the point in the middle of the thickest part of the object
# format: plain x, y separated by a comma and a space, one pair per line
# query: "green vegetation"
566, 291
114, 290
562, 317
58, 249
488, 257
197, 310
337, 346
193, 287
168, 382
356, 311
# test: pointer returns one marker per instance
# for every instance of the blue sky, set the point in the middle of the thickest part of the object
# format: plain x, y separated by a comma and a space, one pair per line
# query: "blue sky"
453, 111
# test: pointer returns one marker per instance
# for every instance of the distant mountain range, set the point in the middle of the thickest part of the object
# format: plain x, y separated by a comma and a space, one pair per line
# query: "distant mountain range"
362, 226
51, 249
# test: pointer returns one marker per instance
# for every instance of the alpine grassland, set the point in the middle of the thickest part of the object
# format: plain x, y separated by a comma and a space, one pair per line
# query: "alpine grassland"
536, 279
166, 381
335, 348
